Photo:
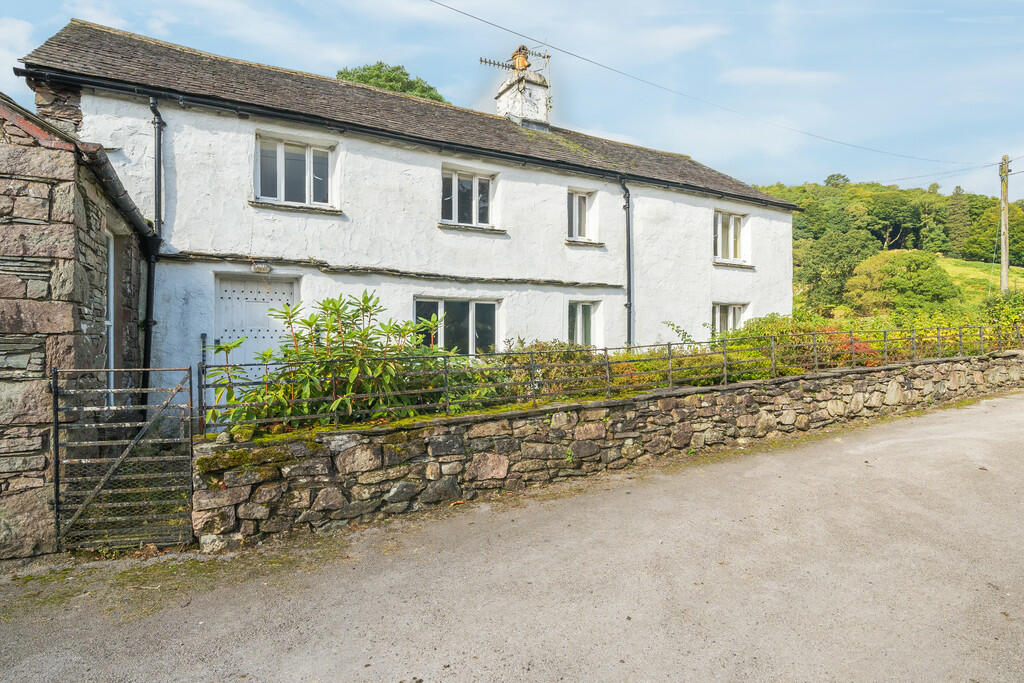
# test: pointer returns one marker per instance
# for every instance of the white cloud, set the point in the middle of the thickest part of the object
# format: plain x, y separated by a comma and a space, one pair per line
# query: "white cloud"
272, 32
752, 150
647, 33
404, 10
612, 135
665, 42
777, 76
15, 43
96, 11
716, 139
160, 21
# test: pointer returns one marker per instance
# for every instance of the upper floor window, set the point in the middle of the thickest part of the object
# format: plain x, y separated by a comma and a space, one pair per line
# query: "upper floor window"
728, 236
577, 212
465, 198
292, 173
467, 327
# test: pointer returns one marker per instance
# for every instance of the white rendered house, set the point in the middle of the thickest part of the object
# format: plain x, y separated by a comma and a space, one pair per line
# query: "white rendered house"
279, 186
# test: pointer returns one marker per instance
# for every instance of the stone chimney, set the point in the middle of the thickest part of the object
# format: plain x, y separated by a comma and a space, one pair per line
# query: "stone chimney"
525, 96
58, 105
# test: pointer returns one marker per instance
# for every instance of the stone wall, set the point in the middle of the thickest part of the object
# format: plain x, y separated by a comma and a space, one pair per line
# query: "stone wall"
54, 215
248, 490
61, 105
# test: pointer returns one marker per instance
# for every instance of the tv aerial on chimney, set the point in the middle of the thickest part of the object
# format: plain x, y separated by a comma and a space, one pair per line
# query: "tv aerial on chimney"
519, 62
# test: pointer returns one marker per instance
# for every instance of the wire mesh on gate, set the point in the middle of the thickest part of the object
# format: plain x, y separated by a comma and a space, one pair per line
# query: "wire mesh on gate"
123, 473
334, 390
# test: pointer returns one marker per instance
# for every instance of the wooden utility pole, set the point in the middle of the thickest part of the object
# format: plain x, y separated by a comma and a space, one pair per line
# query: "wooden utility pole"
1004, 225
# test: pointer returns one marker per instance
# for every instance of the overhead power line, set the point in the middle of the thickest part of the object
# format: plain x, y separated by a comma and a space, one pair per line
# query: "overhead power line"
953, 172
696, 98
943, 174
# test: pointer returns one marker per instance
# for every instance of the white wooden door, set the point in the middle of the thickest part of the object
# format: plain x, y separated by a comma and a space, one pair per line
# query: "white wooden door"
242, 309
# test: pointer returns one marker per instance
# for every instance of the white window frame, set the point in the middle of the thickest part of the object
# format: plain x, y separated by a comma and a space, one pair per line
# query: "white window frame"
108, 316
729, 229
580, 337
439, 342
279, 199
455, 174
735, 313
588, 234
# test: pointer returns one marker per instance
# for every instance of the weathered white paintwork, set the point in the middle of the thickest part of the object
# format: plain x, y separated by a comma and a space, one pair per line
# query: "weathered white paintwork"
388, 201
524, 95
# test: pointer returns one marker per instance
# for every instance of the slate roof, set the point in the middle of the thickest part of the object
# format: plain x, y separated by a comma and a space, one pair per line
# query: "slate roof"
88, 50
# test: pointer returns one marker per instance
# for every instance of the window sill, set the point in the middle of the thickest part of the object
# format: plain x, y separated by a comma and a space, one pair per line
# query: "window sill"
583, 243
719, 263
463, 227
298, 208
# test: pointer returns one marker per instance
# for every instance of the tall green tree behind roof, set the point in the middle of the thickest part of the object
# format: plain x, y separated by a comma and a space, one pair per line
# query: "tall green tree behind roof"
391, 77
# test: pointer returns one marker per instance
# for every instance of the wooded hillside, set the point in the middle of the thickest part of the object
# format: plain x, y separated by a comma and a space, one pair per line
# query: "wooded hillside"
843, 224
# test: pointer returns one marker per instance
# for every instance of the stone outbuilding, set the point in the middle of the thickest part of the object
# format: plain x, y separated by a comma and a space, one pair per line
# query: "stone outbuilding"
72, 279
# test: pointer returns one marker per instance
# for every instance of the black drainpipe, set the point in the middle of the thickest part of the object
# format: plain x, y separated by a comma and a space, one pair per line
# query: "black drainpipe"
629, 260
154, 247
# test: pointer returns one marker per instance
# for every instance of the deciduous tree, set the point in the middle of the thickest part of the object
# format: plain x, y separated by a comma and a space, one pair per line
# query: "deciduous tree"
827, 266
982, 242
391, 77
958, 220
896, 280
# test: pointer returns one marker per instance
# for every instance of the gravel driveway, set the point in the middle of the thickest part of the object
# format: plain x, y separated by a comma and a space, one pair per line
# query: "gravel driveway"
887, 552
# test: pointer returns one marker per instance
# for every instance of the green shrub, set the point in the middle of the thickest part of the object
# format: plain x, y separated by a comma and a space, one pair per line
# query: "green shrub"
344, 363
1005, 309
895, 280
551, 369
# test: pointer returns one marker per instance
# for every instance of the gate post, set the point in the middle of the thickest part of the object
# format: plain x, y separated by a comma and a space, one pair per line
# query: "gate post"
447, 392
55, 453
200, 401
670, 365
725, 361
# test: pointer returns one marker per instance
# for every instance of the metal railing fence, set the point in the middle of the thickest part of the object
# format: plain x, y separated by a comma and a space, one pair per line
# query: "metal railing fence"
336, 390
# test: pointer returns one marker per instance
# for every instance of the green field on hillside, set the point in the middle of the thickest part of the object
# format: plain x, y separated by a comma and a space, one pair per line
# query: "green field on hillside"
978, 280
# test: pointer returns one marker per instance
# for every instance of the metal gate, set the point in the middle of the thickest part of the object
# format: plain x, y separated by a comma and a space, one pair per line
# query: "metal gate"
123, 458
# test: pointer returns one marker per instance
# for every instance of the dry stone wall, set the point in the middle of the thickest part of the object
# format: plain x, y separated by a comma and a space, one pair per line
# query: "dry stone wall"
248, 490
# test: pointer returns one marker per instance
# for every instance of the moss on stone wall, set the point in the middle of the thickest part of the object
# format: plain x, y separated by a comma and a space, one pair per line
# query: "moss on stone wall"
321, 479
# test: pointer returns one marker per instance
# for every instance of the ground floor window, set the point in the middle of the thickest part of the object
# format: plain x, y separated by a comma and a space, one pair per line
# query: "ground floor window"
467, 327
581, 316
726, 317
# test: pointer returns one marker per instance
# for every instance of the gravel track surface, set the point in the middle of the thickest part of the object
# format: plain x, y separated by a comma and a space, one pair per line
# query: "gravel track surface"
890, 552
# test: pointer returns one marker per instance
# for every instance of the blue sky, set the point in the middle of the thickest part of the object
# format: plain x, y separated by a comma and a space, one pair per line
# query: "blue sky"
940, 80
